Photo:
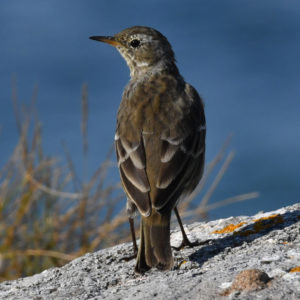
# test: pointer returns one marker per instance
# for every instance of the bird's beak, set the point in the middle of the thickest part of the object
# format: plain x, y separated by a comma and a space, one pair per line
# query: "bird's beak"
106, 39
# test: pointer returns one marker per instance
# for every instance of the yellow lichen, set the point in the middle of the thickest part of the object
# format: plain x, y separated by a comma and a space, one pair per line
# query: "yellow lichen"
296, 269
244, 233
267, 218
182, 263
267, 222
229, 228
261, 224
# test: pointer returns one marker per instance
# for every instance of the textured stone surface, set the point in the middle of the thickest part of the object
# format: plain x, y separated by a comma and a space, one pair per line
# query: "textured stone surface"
268, 242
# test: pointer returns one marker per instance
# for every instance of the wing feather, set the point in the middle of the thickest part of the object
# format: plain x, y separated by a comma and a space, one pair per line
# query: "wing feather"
132, 162
182, 156
160, 157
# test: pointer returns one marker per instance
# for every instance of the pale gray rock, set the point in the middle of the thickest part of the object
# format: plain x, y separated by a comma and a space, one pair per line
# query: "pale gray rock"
268, 242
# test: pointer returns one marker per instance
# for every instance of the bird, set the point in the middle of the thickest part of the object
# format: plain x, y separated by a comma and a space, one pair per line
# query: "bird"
159, 140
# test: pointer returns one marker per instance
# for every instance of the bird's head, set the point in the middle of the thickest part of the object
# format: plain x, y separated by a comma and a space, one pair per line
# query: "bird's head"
143, 48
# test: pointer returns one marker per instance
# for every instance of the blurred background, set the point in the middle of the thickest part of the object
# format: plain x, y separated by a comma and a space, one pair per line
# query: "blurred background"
242, 57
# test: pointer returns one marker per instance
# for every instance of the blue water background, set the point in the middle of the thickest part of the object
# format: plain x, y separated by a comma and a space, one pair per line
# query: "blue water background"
242, 56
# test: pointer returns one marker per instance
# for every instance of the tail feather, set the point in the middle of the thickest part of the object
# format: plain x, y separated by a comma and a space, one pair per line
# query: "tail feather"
155, 248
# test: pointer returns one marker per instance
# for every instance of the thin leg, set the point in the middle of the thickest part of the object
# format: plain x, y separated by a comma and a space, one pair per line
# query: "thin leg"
185, 240
135, 248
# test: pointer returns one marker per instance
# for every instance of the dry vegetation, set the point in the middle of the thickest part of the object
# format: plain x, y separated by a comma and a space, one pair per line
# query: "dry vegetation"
48, 216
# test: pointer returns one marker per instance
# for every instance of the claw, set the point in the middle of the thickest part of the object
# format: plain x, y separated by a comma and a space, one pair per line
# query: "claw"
186, 243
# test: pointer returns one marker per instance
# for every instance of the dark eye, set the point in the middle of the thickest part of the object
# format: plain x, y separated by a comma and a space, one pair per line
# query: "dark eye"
134, 43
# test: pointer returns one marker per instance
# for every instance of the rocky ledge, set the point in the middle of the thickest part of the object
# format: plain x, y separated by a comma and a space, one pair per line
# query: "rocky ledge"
255, 257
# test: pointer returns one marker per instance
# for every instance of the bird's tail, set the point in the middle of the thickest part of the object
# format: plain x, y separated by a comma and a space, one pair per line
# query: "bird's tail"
155, 248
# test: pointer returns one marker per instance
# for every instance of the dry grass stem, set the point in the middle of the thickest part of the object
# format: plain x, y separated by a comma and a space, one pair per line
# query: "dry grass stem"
217, 180
203, 210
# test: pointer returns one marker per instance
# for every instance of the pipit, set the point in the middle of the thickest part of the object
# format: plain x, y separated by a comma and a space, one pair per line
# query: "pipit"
160, 140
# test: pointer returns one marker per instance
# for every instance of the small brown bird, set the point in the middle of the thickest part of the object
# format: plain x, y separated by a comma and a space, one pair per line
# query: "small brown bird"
160, 140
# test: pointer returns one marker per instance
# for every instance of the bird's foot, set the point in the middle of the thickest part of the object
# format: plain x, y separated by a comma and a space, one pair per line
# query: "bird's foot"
186, 243
128, 258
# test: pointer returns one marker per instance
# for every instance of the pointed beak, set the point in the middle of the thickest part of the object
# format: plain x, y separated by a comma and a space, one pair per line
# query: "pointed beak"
106, 39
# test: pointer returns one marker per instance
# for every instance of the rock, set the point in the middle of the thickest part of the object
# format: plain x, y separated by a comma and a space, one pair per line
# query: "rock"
243, 257
248, 280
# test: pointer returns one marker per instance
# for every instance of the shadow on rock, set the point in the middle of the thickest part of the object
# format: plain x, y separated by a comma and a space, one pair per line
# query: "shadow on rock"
247, 234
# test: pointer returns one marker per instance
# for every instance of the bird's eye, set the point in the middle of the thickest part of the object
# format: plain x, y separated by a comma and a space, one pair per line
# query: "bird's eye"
134, 43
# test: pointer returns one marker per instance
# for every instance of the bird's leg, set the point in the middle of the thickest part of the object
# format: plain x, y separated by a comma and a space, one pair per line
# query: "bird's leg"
185, 240
135, 248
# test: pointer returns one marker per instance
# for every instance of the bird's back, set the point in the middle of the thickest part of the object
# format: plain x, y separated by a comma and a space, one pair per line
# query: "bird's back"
164, 114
